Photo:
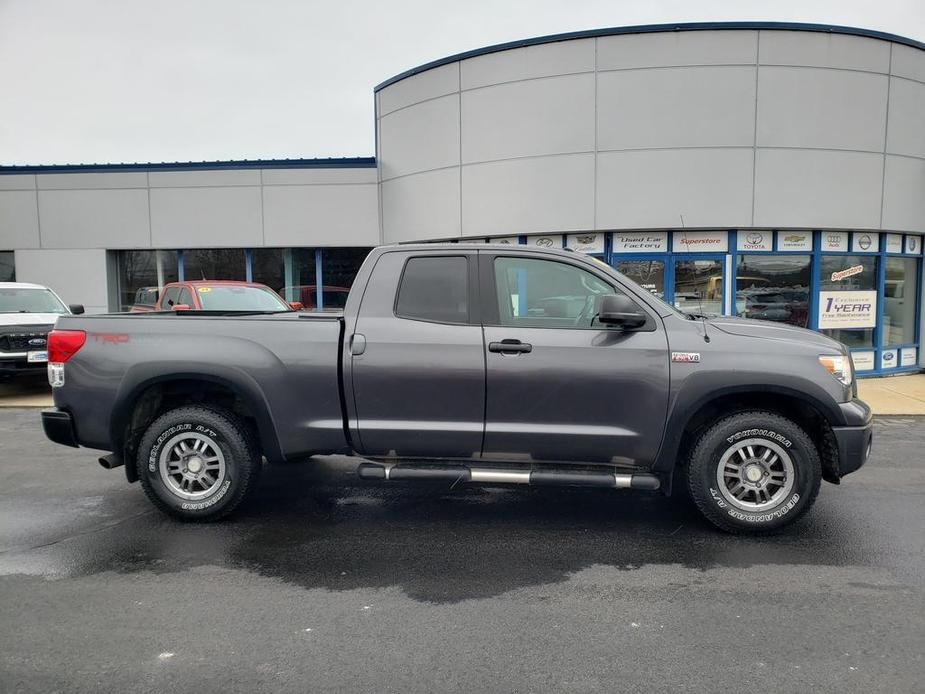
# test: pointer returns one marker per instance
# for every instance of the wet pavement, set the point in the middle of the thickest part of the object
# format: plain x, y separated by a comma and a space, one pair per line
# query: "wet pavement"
323, 584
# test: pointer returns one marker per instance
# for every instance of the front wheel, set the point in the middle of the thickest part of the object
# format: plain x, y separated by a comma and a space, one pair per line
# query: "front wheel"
198, 463
754, 472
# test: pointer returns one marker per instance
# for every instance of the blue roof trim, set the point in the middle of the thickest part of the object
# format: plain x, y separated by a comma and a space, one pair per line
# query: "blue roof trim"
651, 29
336, 163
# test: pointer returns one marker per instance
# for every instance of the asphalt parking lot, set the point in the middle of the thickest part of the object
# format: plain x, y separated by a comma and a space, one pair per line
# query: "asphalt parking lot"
325, 585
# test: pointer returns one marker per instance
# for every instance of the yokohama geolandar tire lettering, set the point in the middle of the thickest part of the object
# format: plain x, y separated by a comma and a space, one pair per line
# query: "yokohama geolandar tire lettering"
198, 463
754, 472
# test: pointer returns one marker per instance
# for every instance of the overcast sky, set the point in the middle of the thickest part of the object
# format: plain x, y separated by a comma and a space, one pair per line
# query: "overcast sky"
182, 80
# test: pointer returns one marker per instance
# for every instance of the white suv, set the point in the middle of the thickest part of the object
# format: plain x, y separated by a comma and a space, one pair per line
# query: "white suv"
27, 314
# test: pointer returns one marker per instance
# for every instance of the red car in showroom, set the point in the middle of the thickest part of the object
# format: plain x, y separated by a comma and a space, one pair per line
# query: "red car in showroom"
217, 295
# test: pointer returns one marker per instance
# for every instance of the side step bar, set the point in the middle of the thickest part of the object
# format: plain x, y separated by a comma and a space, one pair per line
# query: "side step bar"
547, 477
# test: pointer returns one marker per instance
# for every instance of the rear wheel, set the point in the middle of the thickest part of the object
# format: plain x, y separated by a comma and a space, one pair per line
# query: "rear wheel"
198, 463
754, 472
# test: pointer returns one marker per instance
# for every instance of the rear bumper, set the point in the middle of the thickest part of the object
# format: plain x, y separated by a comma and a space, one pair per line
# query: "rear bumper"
854, 441
59, 427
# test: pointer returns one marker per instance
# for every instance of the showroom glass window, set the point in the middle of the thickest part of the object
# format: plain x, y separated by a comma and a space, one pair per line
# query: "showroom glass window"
648, 274
7, 268
899, 301
214, 264
339, 268
849, 273
141, 276
267, 268
773, 287
698, 286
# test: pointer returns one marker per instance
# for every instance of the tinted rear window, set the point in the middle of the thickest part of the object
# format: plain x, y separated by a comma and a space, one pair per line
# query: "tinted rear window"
435, 289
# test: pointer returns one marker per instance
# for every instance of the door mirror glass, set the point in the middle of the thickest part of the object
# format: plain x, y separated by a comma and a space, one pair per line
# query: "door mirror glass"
619, 310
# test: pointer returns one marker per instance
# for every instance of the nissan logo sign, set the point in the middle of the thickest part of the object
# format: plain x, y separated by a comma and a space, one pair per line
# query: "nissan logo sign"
37, 342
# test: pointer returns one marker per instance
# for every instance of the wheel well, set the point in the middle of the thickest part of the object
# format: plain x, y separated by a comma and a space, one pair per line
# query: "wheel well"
163, 396
799, 411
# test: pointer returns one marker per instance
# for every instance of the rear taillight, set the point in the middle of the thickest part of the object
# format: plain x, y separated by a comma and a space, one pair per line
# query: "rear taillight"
63, 344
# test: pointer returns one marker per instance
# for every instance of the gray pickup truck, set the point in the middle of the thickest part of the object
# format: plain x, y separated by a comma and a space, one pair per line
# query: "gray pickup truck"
467, 363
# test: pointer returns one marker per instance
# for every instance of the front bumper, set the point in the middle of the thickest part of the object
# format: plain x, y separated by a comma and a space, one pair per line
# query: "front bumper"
855, 440
12, 364
59, 427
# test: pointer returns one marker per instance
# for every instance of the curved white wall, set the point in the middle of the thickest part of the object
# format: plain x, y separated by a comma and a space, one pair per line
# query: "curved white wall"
729, 128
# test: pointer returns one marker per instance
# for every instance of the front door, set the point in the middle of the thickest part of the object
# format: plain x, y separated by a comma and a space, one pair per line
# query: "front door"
560, 386
418, 367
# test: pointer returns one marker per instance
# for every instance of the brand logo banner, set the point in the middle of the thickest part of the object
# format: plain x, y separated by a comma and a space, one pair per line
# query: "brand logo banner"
847, 309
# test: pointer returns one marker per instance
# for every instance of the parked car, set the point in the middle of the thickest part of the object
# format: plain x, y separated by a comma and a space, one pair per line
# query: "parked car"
221, 295
332, 297
145, 300
451, 364
27, 314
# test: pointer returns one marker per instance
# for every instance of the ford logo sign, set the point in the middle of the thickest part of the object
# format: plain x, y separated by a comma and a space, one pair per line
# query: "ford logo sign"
37, 342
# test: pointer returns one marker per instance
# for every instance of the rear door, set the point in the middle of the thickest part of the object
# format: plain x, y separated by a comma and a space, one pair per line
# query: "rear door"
417, 358
560, 386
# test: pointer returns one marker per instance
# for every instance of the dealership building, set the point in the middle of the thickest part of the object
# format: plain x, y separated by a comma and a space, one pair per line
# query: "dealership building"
772, 171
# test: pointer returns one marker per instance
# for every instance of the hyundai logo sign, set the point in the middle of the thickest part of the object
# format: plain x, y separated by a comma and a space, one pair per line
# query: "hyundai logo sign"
37, 342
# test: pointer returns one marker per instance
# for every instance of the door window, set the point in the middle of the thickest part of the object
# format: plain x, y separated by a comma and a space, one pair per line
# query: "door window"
185, 298
435, 288
547, 294
170, 297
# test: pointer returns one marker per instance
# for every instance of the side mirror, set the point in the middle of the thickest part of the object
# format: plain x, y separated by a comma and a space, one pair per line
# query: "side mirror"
76, 309
180, 307
296, 305
619, 310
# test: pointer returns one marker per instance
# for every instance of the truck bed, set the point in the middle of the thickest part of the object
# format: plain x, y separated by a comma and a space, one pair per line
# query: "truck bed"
284, 363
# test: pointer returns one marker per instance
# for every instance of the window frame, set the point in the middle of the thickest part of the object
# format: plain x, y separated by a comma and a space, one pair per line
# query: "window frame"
189, 291
489, 292
472, 280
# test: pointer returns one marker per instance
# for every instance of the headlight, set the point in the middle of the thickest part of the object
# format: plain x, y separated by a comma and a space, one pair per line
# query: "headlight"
840, 367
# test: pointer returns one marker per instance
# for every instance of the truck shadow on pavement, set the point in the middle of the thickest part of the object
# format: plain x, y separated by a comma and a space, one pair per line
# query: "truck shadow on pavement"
443, 545
314, 525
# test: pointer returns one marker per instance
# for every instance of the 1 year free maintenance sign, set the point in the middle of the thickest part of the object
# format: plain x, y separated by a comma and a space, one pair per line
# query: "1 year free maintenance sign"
848, 309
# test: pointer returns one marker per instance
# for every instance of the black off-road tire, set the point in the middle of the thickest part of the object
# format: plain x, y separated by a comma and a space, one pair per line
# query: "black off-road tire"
735, 429
227, 437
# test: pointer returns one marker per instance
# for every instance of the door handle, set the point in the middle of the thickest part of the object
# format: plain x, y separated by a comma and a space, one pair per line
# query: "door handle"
357, 344
510, 347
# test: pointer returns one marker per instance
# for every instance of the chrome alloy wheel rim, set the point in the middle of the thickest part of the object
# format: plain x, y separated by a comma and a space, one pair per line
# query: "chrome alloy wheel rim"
755, 474
192, 466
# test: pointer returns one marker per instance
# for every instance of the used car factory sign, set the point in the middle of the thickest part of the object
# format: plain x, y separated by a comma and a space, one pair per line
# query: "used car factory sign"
640, 242
847, 309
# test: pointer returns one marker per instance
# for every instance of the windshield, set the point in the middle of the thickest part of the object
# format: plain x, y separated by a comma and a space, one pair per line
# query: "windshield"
18, 300
234, 298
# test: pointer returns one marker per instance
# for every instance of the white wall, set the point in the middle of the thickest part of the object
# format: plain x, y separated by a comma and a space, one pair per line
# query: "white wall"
729, 128
189, 209
77, 276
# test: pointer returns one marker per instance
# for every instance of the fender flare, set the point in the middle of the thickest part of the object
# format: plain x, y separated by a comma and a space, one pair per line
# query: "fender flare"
250, 394
683, 411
